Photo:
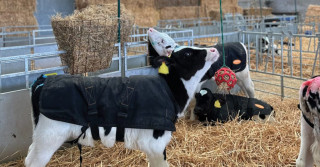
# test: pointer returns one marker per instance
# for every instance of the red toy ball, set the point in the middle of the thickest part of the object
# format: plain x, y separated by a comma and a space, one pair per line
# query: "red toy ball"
225, 78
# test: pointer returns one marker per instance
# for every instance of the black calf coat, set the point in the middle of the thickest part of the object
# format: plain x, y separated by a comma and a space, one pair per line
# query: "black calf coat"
143, 102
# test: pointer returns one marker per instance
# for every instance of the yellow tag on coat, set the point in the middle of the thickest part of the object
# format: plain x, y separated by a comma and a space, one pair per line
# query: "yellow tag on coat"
51, 74
217, 104
163, 69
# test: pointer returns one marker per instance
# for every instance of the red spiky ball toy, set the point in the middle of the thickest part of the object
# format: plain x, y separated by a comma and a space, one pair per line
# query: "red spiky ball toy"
225, 78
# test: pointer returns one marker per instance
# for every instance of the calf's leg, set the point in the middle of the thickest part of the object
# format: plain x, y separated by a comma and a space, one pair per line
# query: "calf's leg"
48, 136
191, 107
305, 156
151, 142
245, 82
158, 160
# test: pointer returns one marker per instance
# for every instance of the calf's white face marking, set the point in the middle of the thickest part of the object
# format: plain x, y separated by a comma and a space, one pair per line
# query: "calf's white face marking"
161, 42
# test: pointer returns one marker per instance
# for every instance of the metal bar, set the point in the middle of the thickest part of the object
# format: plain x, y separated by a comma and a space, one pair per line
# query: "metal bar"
300, 42
125, 60
14, 33
249, 52
32, 72
31, 55
290, 56
123, 73
272, 43
136, 56
33, 37
26, 46
27, 26
257, 54
315, 58
285, 76
266, 83
0, 77
51, 37
119, 57
259, 90
282, 89
26, 69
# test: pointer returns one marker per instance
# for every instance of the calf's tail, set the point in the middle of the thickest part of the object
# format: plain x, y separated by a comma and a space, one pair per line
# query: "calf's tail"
36, 89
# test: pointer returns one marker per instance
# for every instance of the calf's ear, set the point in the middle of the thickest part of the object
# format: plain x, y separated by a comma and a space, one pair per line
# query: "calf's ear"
160, 59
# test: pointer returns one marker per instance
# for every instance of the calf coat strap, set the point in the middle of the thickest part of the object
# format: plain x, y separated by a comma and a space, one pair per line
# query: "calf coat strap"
76, 141
120, 134
90, 96
123, 113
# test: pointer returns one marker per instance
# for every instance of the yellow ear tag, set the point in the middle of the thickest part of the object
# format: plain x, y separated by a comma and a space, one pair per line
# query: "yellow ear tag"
163, 69
217, 104
49, 74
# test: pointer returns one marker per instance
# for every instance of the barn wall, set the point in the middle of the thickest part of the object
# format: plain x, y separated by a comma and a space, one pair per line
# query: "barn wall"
47, 8
288, 6
15, 124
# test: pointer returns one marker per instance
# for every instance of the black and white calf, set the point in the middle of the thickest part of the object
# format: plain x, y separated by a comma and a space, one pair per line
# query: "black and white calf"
160, 44
265, 46
309, 104
211, 107
185, 69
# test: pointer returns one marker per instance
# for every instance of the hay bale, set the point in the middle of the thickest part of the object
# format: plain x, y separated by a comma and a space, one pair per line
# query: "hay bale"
211, 8
170, 3
313, 10
214, 14
256, 11
18, 13
136, 7
312, 15
180, 12
88, 36
17, 19
17, 5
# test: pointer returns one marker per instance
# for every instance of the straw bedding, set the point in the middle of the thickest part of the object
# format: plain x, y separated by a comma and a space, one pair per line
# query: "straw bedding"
235, 143
88, 36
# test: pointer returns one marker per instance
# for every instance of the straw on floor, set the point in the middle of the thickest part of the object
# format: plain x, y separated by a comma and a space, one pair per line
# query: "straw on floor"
244, 143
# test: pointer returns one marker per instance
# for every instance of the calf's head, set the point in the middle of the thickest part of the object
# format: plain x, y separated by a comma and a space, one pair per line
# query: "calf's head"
183, 71
310, 96
204, 104
162, 43
185, 62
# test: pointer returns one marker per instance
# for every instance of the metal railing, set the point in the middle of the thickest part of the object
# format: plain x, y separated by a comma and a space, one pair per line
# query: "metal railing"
294, 57
17, 63
28, 59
